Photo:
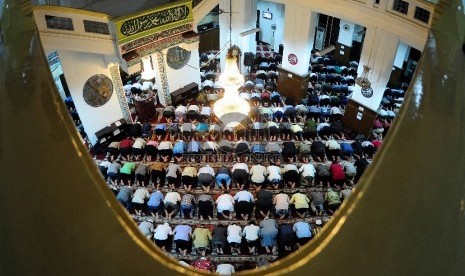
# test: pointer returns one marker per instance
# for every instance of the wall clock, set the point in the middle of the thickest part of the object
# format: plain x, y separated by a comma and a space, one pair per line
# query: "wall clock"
177, 57
97, 90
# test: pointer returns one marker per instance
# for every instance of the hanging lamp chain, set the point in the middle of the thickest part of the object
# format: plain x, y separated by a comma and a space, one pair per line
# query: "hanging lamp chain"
230, 23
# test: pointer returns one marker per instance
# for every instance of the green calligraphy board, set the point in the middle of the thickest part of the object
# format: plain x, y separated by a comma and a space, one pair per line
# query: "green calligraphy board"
135, 26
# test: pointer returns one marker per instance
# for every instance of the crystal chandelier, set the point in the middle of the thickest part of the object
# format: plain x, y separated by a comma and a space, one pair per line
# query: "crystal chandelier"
231, 109
364, 83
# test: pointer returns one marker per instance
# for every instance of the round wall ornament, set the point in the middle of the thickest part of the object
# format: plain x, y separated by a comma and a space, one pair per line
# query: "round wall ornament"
97, 90
367, 92
292, 58
177, 57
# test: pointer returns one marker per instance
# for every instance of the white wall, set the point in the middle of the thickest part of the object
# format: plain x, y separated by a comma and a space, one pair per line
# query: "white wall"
78, 39
266, 33
357, 33
279, 33
346, 36
402, 52
187, 74
78, 67
178, 78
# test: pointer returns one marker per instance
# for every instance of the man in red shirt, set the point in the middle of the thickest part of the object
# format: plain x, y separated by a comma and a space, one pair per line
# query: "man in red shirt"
125, 147
203, 264
337, 173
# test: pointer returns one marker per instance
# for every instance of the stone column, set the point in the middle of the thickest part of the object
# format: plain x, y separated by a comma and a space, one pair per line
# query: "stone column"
118, 83
163, 88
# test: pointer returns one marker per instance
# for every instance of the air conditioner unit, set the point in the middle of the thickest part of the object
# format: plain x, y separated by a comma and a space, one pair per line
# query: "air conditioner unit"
325, 51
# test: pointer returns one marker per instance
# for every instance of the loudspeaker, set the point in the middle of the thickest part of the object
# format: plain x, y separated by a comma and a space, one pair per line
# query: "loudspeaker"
65, 85
281, 49
248, 58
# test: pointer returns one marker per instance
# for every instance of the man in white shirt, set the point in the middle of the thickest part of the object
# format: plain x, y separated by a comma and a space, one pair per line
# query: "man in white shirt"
251, 234
137, 85
209, 146
234, 237
171, 202
245, 95
274, 175
257, 176
192, 112
193, 107
272, 129
206, 176
103, 167
336, 113
206, 111
225, 269
138, 147
147, 85
180, 112
244, 204
225, 205
165, 150
138, 200
307, 173
333, 149
281, 204
161, 234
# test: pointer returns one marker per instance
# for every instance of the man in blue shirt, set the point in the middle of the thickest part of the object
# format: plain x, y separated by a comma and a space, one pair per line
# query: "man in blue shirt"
124, 196
160, 130
182, 234
178, 150
303, 231
155, 203
258, 148
193, 147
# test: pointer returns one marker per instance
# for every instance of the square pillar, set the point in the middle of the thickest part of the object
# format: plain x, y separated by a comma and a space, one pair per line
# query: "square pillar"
299, 31
379, 52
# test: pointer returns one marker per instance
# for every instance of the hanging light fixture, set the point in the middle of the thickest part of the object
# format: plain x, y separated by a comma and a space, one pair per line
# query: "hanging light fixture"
364, 83
231, 109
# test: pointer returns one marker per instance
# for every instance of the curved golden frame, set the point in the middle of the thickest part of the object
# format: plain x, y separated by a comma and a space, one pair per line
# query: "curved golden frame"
407, 216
